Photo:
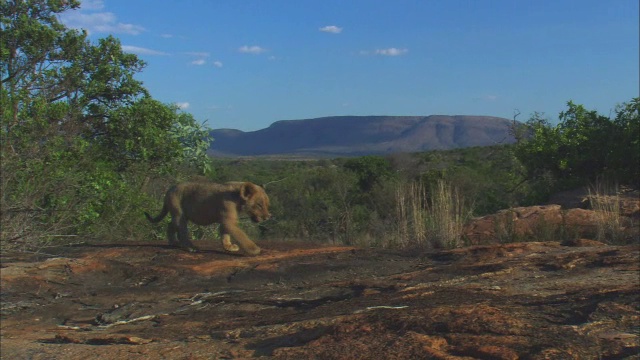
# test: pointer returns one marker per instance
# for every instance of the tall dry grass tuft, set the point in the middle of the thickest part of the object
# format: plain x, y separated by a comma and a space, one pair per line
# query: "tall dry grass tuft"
609, 222
410, 215
430, 219
447, 215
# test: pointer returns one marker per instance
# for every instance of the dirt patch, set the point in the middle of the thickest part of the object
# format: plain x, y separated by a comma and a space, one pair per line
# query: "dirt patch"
533, 300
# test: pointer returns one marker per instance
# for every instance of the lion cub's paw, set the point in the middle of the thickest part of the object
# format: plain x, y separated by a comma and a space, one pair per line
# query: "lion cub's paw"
191, 249
253, 250
231, 247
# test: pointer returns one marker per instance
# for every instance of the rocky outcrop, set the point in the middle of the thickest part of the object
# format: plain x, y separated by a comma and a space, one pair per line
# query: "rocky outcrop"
624, 200
533, 300
608, 218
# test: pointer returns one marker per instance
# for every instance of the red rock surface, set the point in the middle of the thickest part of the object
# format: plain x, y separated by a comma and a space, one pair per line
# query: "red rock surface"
530, 300
552, 222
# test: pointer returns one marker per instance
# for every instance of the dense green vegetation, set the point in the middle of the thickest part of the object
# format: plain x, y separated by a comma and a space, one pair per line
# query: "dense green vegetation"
406, 199
81, 137
85, 150
374, 200
584, 146
421, 199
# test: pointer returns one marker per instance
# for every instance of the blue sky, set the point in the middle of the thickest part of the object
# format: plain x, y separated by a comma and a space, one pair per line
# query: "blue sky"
246, 64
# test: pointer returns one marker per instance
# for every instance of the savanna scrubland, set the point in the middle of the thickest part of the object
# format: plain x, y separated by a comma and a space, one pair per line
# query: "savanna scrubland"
85, 149
362, 255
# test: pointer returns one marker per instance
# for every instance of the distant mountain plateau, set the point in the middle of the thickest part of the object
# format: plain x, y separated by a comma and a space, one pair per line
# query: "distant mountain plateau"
342, 136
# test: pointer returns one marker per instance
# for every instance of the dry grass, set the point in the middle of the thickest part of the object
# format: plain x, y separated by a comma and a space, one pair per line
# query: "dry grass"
410, 215
505, 227
433, 219
604, 200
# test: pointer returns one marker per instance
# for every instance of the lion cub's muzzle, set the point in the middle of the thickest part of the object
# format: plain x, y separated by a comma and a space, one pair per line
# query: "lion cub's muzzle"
260, 218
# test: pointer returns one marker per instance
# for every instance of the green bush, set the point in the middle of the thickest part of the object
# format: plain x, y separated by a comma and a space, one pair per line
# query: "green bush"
80, 136
583, 147
315, 204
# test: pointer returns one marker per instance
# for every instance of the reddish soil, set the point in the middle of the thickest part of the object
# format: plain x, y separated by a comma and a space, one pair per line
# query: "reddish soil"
300, 301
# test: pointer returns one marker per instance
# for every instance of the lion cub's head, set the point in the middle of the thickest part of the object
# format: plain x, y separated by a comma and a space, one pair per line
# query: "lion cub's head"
256, 202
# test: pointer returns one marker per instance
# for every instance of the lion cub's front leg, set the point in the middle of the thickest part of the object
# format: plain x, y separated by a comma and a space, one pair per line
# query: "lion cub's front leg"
226, 243
228, 230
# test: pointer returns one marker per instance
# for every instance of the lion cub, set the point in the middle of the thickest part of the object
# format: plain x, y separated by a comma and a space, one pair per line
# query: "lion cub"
205, 203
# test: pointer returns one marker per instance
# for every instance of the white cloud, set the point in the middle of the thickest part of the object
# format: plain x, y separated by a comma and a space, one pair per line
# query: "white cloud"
92, 5
141, 51
200, 54
391, 52
251, 49
331, 29
172, 36
124, 28
217, 64
99, 22
182, 105
200, 57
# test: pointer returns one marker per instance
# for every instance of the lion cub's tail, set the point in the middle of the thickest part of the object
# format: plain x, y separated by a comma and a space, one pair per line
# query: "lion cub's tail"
158, 218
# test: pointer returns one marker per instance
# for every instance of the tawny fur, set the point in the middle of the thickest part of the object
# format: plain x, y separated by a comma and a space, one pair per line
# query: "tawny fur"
205, 203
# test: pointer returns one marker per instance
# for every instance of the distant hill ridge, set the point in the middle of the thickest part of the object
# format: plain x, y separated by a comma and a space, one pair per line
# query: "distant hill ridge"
363, 135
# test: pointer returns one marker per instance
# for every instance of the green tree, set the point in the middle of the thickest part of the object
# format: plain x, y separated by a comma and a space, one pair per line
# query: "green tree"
80, 135
370, 170
156, 134
194, 139
54, 81
583, 146
625, 157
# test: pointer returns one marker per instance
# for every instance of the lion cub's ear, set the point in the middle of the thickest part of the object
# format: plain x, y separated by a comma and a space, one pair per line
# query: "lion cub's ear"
247, 190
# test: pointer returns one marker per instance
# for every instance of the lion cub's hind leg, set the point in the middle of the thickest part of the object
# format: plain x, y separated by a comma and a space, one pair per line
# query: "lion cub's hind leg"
183, 237
172, 232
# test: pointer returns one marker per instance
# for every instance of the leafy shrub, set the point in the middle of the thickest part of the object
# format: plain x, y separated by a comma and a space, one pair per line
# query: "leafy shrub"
80, 136
370, 170
583, 146
315, 204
